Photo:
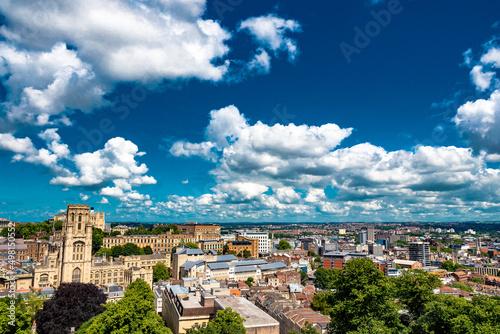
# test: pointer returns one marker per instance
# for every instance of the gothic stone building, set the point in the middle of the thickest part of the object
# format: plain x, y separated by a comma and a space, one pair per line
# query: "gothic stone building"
70, 260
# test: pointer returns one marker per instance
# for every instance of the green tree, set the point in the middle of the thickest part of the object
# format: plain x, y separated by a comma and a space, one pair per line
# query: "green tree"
324, 277
415, 288
104, 251
160, 272
226, 322
461, 286
117, 251
249, 282
192, 245
303, 276
283, 244
97, 238
450, 266
362, 294
71, 306
134, 313
322, 302
311, 253
246, 253
132, 249
477, 280
147, 250
25, 307
115, 233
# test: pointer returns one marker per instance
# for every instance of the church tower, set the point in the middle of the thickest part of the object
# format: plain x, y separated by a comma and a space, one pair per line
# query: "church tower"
76, 249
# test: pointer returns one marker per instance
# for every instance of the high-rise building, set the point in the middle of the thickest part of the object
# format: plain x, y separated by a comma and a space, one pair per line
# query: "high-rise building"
420, 251
363, 237
371, 233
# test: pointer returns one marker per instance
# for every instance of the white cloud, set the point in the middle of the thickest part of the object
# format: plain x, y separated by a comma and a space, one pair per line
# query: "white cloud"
104, 200
185, 181
84, 197
481, 79
283, 171
271, 32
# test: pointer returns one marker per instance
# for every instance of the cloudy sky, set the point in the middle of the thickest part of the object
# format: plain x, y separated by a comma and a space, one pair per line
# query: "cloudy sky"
238, 110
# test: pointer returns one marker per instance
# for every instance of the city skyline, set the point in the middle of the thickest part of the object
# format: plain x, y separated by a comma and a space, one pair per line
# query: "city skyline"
239, 111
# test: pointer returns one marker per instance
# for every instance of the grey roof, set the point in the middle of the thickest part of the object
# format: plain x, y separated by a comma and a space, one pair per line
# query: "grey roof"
189, 251
114, 288
245, 269
226, 258
211, 251
190, 264
272, 266
176, 289
249, 263
216, 265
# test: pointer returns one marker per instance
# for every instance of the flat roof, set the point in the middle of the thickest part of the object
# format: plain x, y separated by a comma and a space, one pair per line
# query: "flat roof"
253, 315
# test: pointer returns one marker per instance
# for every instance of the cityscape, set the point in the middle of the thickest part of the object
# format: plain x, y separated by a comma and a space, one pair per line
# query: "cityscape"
260, 167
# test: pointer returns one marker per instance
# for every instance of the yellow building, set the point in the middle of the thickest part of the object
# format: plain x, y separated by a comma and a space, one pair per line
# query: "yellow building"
243, 243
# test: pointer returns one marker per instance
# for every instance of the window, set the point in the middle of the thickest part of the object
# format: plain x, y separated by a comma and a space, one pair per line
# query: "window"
109, 274
96, 275
44, 278
76, 275
115, 273
115, 280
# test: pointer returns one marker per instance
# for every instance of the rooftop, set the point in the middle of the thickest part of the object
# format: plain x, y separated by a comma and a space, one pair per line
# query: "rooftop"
253, 315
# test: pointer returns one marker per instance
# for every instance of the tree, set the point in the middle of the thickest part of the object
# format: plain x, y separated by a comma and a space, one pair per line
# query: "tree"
97, 238
303, 276
71, 306
160, 272
477, 280
415, 288
192, 245
322, 302
25, 308
115, 233
147, 250
226, 322
284, 245
450, 266
461, 286
246, 253
362, 294
132, 249
134, 313
311, 253
104, 251
249, 282
324, 277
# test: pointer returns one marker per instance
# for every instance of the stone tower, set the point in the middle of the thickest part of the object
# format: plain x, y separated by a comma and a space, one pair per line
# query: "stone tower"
75, 255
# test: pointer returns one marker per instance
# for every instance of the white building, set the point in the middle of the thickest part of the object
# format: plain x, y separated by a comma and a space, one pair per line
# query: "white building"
263, 240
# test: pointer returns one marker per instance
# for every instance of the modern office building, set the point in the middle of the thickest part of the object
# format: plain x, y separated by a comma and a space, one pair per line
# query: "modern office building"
420, 251
363, 237
370, 234
263, 240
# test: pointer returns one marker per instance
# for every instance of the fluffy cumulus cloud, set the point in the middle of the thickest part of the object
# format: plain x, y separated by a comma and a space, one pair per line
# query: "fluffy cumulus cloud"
112, 171
271, 32
292, 170
479, 120
60, 56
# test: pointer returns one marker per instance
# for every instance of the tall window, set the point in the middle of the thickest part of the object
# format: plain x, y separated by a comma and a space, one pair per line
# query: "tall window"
78, 251
76, 275
44, 278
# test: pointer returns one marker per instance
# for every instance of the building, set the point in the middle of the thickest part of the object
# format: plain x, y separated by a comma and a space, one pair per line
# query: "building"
375, 249
363, 237
191, 232
244, 243
186, 307
263, 238
70, 260
120, 228
420, 251
408, 264
336, 260
216, 245
370, 233
97, 219
17, 245
4, 222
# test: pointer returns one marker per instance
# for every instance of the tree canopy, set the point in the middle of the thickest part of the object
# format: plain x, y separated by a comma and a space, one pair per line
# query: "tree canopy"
284, 245
226, 322
450, 266
160, 272
71, 306
25, 307
134, 313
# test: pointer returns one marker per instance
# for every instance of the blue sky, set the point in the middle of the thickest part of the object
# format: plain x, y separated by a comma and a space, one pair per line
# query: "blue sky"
176, 110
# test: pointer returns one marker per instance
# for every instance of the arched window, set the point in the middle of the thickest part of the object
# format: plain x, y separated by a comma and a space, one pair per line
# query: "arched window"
72, 217
44, 278
80, 218
76, 275
78, 250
